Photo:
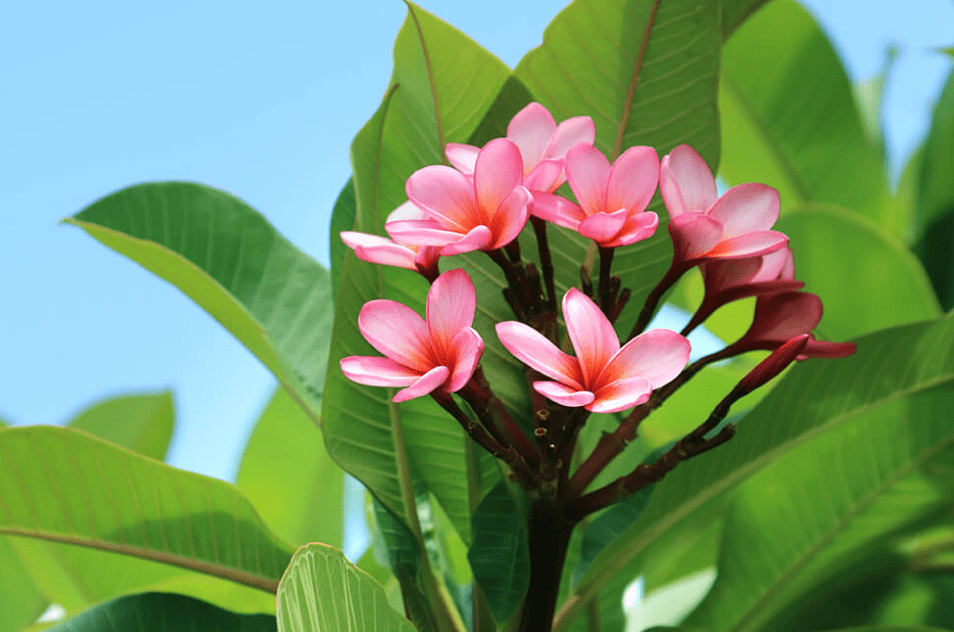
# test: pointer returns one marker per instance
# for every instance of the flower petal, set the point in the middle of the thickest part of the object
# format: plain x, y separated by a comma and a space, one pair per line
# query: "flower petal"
451, 303
424, 385
546, 176
686, 182
603, 227
381, 250
759, 243
533, 349
620, 395
568, 134
587, 170
658, 355
562, 394
781, 317
822, 349
375, 371
468, 346
693, 235
591, 334
638, 226
722, 274
498, 170
462, 157
632, 179
420, 232
557, 210
511, 217
531, 129
479, 238
446, 195
745, 209
398, 332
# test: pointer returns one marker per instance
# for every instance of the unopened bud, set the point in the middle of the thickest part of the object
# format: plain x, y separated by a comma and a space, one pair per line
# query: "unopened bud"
769, 368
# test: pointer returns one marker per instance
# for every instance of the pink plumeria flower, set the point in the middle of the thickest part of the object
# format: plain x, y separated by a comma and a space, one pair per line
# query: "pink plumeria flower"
384, 251
460, 213
706, 226
440, 353
603, 377
542, 143
786, 315
612, 199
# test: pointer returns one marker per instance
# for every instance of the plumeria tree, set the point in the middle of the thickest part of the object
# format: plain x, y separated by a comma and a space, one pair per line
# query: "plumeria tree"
486, 357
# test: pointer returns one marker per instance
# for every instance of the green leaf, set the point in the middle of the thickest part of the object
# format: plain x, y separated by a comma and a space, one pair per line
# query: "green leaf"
22, 599
499, 556
289, 478
893, 286
322, 590
115, 500
160, 612
141, 423
442, 87
888, 367
810, 145
869, 95
232, 263
735, 12
342, 218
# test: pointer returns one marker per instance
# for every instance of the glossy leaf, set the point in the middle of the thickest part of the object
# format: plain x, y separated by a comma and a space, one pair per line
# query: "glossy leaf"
227, 258
114, 500
289, 478
162, 612
810, 145
322, 590
883, 274
141, 423
888, 367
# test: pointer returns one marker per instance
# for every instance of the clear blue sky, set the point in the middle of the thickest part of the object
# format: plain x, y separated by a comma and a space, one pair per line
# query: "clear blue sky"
262, 102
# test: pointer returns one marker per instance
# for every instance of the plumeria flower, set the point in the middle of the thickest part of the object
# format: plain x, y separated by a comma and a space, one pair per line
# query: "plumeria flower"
384, 251
440, 353
706, 226
460, 213
786, 315
612, 199
603, 377
542, 143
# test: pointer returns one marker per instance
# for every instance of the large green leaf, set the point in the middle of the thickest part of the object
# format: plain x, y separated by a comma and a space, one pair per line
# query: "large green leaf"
342, 218
322, 590
780, 541
141, 423
735, 12
22, 599
114, 500
288, 477
883, 275
817, 397
443, 85
161, 612
234, 264
811, 145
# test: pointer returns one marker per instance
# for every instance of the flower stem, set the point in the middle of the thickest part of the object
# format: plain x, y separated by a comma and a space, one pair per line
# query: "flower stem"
548, 532
652, 301
494, 416
606, 291
546, 263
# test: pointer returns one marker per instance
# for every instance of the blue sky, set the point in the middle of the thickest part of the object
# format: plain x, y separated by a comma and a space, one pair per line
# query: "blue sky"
263, 103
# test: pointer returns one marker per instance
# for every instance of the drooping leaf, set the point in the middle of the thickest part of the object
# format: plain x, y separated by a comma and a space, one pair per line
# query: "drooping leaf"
888, 367
810, 145
163, 612
228, 259
141, 423
118, 501
289, 478
322, 590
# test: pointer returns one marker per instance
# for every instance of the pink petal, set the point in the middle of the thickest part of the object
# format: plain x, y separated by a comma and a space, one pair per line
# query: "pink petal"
774, 264
407, 210
499, 169
424, 385
398, 332
686, 182
563, 395
422, 232
784, 316
462, 157
446, 195
658, 355
568, 134
531, 129
693, 235
468, 347
374, 371
557, 210
533, 349
591, 334
621, 395
603, 227
638, 226
722, 274
745, 209
759, 243
587, 170
451, 303
381, 250
479, 238
511, 217
546, 176
632, 179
